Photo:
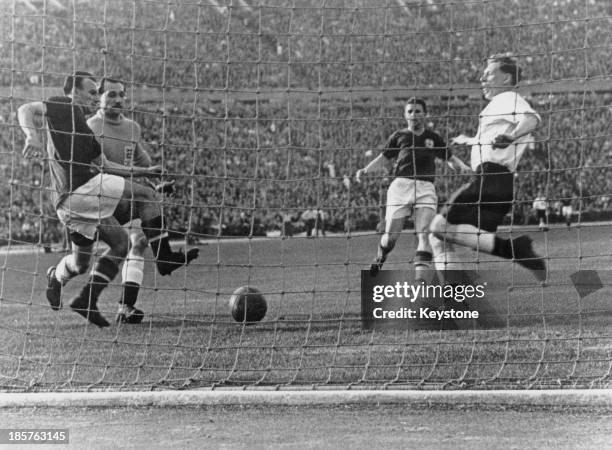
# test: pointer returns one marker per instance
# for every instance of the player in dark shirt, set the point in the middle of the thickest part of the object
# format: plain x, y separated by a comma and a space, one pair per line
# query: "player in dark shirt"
414, 154
411, 152
91, 197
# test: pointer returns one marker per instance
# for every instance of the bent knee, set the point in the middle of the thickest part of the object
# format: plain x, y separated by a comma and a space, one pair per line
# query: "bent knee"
438, 226
144, 193
139, 243
120, 249
389, 239
436, 243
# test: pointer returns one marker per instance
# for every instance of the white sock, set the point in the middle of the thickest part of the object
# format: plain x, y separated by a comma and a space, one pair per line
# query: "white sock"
133, 269
66, 269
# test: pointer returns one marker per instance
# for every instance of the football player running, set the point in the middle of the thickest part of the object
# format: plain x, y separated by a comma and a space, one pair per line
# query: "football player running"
411, 153
479, 207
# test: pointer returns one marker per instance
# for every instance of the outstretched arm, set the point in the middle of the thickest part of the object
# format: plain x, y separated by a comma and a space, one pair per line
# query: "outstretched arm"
142, 158
463, 139
458, 165
377, 163
113, 168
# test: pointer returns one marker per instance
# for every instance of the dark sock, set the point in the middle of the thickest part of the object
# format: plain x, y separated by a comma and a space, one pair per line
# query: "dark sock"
104, 271
130, 293
158, 238
423, 258
384, 251
503, 248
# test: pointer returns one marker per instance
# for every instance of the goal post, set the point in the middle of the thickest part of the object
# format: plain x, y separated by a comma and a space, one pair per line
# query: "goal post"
262, 111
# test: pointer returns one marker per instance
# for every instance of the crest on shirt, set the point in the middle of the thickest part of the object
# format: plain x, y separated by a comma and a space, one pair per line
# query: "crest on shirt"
429, 143
128, 155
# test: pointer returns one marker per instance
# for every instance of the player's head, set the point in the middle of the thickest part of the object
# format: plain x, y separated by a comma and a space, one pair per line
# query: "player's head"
414, 113
501, 74
112, 96
81, 86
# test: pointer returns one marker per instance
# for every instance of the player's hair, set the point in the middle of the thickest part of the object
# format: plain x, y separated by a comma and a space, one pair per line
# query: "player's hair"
76, 80
508, 64
103, 81
417, 101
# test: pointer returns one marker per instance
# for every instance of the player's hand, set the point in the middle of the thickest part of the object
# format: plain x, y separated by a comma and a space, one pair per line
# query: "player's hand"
154, 171
465, 169
502, 141
166, 187
33, 147
461, 168
359, 174
462, 139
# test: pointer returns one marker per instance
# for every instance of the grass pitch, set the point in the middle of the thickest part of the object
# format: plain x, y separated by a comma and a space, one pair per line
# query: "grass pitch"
312, 333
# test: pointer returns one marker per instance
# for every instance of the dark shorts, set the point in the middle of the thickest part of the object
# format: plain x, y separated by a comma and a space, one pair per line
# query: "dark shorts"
541, 214
485, 200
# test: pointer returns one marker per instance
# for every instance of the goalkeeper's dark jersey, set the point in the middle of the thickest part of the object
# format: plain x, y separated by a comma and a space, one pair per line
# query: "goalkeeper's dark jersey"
72, 147
414, 155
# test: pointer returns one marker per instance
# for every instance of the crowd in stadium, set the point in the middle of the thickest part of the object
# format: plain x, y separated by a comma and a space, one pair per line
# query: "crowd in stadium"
302, 45
241, 175
244, 168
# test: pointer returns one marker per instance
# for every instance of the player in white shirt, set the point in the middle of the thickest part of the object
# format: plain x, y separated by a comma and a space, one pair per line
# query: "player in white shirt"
478, 208
540, 206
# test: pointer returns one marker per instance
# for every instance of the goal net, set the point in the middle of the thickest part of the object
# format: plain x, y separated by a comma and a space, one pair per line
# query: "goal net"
262, 111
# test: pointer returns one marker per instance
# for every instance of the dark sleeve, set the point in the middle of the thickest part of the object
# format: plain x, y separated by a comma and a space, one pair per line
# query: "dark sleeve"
96, 148
442, 150
58, 113
391, 149
71, 135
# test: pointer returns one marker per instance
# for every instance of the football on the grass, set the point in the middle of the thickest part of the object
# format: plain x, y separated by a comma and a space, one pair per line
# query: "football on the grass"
247, 304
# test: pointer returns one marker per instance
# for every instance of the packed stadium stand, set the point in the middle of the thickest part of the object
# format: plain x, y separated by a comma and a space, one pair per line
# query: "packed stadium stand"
242, 165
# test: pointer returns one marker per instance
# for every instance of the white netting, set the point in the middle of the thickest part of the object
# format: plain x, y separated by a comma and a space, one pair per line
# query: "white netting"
262, 110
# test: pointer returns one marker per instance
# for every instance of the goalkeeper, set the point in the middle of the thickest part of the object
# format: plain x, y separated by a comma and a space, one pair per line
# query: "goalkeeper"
120, 139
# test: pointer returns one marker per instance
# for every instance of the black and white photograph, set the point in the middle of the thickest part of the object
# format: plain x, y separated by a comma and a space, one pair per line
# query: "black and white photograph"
306, 224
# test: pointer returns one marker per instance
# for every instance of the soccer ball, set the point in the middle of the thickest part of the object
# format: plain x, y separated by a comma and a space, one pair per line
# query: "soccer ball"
247, 304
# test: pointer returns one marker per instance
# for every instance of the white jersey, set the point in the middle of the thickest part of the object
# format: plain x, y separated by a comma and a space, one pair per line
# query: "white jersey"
500, 116
540, 203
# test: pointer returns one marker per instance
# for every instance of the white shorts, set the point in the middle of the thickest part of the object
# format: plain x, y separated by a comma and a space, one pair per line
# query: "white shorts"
567, 210
90, 203
406, 193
